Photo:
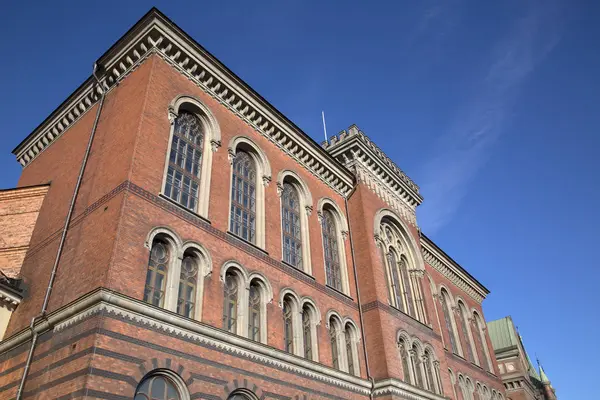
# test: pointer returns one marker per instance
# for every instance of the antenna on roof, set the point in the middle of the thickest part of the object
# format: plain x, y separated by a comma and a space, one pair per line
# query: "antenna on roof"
324, 126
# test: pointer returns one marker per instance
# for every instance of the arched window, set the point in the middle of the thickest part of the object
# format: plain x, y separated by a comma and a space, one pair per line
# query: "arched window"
464, 318
291, 225
480, 335
453, 383
288, 325
430, 379
404, 280
332, 256
156, 276
405, 359
158, 386
242, 394
254, 311
416, 366
351, 341
307, 333
183, 174
188, 281
230, 302
446, 307
334, 334
243, 197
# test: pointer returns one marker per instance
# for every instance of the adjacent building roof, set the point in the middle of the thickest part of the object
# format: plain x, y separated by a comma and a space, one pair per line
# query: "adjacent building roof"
503, 334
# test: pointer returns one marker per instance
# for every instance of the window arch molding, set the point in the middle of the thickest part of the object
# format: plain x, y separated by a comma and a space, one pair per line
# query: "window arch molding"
263, 178
480, 327
404, 339
351, 357
240, 394
204, 270
326, 204
465, 317
212, 141
168, 375
306, 207
414, 250
240, 274
432, 369
335, 328
447, 301
289, 295
266, 297
315, 320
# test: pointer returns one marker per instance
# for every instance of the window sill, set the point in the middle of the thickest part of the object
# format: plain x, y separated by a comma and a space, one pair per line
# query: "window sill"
339, 292
233, 235
176, 204
298, 269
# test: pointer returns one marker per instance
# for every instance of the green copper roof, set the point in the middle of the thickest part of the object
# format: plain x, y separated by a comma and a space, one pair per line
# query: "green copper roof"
544, 377
502, 333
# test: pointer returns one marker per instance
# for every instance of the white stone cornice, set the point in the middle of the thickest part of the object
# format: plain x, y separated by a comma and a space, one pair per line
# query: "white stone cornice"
106, 302
155, 34
404, 390
376, 170
9, 299
452, 271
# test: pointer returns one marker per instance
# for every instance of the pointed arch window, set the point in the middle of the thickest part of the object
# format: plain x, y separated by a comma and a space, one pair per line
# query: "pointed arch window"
185, 161
332, 256
188, 281
156, 276
291, 225
254, 312
230, 302
288, 326
243, 197
465, 328
445, 300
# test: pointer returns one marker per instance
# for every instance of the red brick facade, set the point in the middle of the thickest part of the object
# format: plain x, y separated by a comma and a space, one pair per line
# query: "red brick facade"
99, 340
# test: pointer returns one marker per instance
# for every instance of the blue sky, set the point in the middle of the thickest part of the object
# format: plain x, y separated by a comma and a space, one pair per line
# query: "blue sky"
491, 107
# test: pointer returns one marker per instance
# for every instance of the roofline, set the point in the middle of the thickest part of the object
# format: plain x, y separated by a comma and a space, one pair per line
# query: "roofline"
139, 25
455, 264
25, 187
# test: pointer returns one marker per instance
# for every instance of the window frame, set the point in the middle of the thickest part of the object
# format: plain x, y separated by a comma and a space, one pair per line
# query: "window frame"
171, 377
341, 233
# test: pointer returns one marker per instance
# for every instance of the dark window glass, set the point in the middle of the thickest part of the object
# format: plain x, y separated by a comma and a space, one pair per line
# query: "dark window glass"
417, 367
183, 174
288, 329
429, 372
157, 388
465, 329
447, 318
404, 358
254, 312
188, 280
349, 351
243, 197
156, 276
230, 303
396, 284
330, 245
408, 297
307, 333
334, 346
290, 221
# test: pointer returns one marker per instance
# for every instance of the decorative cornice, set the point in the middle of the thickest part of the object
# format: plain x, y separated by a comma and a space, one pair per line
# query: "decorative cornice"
451, 270
396, 387
357, 152
156, 34
107, 302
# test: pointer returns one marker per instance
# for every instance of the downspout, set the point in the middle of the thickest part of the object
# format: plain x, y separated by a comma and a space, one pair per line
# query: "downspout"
63, 237
360, 312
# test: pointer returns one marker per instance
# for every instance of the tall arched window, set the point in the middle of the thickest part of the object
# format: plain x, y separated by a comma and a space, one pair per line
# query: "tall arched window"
334, 332
480, 335
404, 280
405, 359
183, 174
445, 300
254, 311
332, 256
429, 372
243, 197
307, 332
188, 281
351, 353
291, 225
464, 318
288, 325
156, 276
230, 302
158, 387
242, 394
416, 365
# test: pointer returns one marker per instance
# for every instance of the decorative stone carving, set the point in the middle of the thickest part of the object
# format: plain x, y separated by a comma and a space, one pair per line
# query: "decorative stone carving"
214, 145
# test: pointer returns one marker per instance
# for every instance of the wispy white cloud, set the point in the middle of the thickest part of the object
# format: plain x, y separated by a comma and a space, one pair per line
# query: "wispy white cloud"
463, 150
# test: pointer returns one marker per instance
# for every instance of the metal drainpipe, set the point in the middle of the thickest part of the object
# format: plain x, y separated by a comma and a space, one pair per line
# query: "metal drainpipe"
360, 313
63, 237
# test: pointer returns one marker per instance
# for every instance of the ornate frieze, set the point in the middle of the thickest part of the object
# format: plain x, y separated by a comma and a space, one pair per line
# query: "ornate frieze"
156, 35
376, 170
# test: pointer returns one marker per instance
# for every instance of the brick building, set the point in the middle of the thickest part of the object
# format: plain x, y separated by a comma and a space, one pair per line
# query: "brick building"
521, 379
193, 243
